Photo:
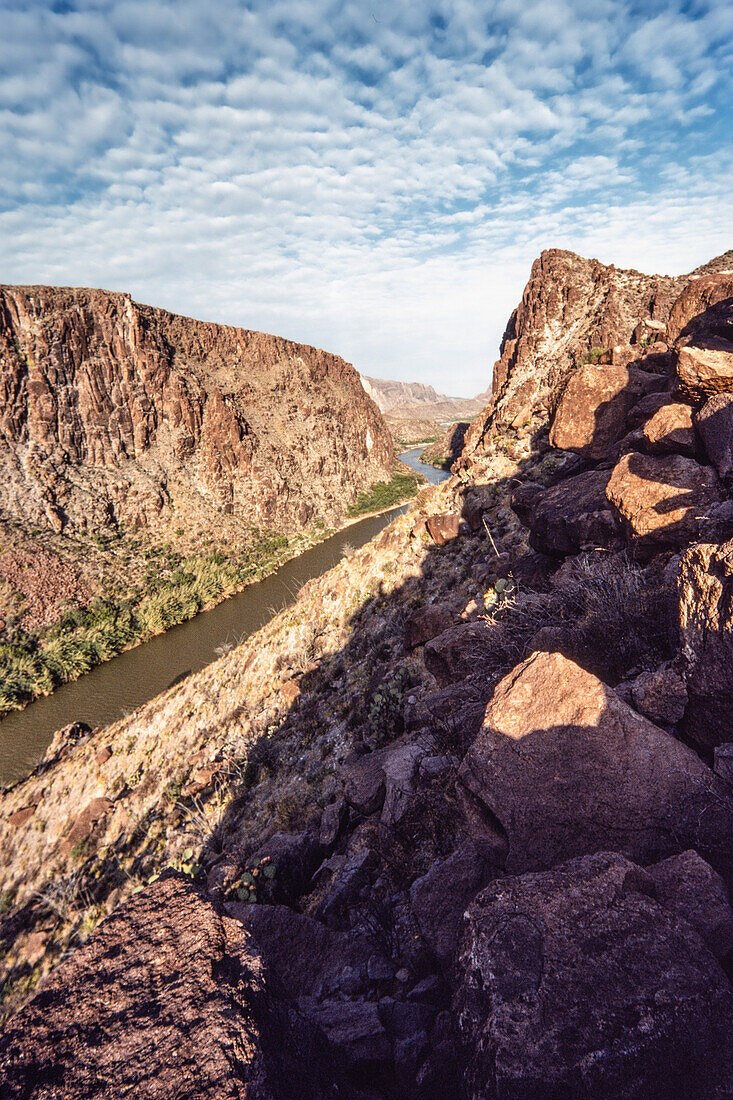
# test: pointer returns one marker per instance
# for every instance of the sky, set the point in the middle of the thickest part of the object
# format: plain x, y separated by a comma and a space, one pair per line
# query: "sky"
374, 178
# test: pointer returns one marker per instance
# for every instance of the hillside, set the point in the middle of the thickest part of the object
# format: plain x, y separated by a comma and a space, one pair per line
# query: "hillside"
150, 464
114, 415
457, 824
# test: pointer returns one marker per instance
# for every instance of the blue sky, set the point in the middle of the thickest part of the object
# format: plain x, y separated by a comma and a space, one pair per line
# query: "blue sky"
373, 178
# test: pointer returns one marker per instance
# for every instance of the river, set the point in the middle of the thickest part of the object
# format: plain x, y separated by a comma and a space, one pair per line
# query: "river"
117, 687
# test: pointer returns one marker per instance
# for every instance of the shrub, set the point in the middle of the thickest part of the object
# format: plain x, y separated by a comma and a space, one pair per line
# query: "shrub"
610, 614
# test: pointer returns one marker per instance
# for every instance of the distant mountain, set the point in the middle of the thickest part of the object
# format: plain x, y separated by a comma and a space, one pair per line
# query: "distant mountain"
415, 400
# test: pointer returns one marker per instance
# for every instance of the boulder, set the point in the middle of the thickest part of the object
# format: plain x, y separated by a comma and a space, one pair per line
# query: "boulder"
670, 431
661, 501
646, 408
714, 423
705, 582
702, 371
660, 695
705, 307
400, 776
427, 622
443, 528
308, 959
576, 983
690, 887
477, 500
591, 415
723, 762
363, 779
439, 898
459, 652
167, 998
567, 768
573, 515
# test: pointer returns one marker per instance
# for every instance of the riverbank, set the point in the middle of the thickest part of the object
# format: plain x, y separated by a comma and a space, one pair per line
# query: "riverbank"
169, 590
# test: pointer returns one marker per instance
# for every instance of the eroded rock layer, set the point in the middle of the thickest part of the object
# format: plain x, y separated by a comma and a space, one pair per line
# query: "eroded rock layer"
114, 414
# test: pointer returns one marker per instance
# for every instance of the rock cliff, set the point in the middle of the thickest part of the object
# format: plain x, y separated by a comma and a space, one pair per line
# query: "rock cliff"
458, 823
116, 415
572, 309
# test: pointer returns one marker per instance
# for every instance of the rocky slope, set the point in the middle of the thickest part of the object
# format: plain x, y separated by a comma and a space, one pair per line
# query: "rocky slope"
572, 309
456, 824
115, 415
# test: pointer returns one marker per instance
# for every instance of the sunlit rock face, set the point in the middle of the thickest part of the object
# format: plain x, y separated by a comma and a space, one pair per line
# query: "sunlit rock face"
113, 413
571, 308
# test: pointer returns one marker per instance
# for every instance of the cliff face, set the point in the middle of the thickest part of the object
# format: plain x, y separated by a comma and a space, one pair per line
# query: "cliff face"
570, 306
113, 414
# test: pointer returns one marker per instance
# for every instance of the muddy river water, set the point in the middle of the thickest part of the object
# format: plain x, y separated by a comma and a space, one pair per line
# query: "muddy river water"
117, 687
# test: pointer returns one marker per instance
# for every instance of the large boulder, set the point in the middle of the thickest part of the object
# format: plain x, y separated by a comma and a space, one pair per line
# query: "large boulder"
670, 431
714, 422
577, 984
439, 898
591, 416
572, 515
704, 308
702, 371
568, 769
705, 583
661, 501
167, 999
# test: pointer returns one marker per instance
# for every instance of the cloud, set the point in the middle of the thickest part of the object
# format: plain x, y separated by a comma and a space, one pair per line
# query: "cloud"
373, 178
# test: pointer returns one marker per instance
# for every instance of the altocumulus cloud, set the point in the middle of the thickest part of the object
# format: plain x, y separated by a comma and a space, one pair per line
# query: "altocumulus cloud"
369, 177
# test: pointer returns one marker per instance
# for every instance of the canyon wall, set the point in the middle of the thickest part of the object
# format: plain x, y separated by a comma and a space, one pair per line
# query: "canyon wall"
117, 415
571, 308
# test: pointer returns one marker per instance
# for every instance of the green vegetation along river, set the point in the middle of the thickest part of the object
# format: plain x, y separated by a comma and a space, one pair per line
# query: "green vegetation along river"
137, 675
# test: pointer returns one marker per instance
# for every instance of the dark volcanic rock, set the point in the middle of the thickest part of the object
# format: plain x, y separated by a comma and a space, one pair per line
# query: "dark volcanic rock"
670, 431
439, 898
702, 371
704, 308
714, 422
427, 622
706, 625
660, 695
167, 999
578, 984
591, 416
661, 501
443, 528
689, 886
458, 652
573, 515
567, 768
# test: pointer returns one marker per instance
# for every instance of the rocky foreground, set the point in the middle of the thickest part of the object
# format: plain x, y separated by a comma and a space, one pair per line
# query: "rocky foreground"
459, 823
